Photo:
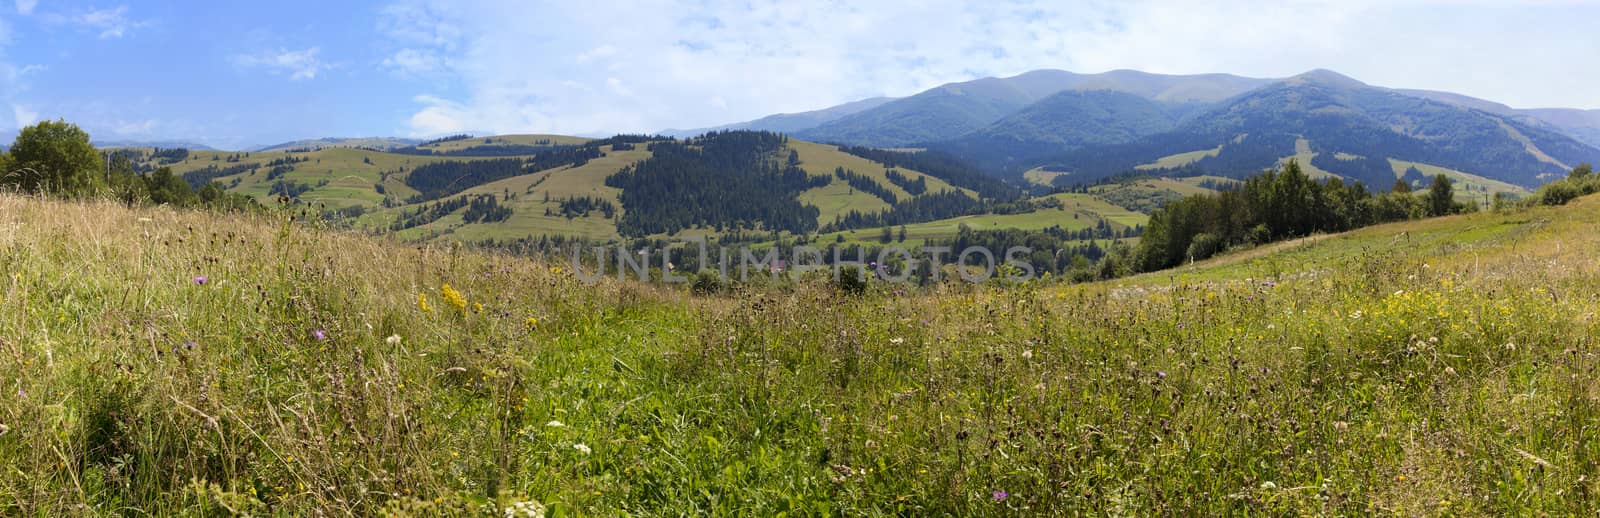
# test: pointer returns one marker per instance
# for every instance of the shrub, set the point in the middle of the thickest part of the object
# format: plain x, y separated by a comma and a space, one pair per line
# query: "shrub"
706, 283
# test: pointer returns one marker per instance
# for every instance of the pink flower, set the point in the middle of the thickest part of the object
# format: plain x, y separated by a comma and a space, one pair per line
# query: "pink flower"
319, 334
201, 280
1000, 495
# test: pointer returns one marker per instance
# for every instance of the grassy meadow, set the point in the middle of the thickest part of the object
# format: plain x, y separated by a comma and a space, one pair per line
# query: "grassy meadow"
164, 362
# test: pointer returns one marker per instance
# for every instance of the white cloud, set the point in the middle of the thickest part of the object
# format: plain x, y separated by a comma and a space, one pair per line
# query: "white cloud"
297, 64
142, 128
651, 64
415, 62
23, 116
112, 23
25, 7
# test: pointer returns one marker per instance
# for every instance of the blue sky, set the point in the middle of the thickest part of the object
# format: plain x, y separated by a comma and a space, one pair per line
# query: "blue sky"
234, 74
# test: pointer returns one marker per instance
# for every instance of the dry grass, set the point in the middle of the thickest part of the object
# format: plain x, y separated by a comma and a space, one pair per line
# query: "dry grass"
1453, 375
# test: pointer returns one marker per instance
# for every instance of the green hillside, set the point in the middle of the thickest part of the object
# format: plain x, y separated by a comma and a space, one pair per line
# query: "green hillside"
373, 185
217, 364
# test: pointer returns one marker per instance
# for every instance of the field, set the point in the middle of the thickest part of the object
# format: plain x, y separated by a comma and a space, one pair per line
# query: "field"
1181, 159
341, 177
1468, 187
165, 362
1077, 212
1039, 176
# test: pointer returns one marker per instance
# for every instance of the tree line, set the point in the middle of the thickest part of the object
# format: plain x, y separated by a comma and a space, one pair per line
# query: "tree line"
720, 179
1277, 205
56, 158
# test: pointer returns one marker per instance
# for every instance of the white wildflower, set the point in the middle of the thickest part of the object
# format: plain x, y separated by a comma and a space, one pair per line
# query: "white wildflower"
583, 448
392, 340
554, 424
1268, 485
525, 509
897, 340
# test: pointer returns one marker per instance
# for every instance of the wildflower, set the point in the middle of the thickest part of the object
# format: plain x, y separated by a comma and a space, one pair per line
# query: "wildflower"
1161, 374
392, 340
189, 345
554, 424
1268, 485
201, 280
525, 509
453, 298
422, 303
319, 334
1000, 495
582, 448
897, 340
1027, 354
477, 307
531, 323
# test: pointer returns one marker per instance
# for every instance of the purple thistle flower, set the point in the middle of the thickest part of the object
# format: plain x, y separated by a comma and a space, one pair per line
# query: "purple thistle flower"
319, 334
189, 345
1161, 374
201, 280
1000, 495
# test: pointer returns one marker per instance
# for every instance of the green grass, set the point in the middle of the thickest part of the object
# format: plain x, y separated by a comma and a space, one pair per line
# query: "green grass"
1181, 159
1468, 187
345, 177
1039, 176
1439, 367
837, 199
1078, 211
1303, 156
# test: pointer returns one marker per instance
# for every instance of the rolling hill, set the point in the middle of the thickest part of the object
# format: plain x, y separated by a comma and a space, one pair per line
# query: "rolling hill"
192, 363
330, 142
569, 185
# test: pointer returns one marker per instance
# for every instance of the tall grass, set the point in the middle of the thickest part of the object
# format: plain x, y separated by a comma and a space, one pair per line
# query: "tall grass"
1443, 367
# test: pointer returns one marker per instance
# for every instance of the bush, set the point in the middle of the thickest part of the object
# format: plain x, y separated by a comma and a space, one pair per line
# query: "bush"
851, 281
706, 283
1558, 193
1204, 246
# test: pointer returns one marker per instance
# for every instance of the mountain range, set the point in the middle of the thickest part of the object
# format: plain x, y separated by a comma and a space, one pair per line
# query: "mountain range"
1097, 125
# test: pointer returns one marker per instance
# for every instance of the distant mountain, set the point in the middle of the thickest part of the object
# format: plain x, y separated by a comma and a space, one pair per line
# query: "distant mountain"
1583, 125
1341, 126
169, 144
1064, 121
790, 122
330, 142
956, 109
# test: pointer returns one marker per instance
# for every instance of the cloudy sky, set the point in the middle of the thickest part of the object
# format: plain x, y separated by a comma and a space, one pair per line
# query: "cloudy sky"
234, 74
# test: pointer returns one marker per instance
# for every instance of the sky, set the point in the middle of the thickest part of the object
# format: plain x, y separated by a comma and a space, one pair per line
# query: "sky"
240, 74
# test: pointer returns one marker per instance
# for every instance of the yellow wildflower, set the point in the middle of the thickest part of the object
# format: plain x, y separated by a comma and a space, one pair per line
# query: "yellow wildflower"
422, 303
453, 298
532, 323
